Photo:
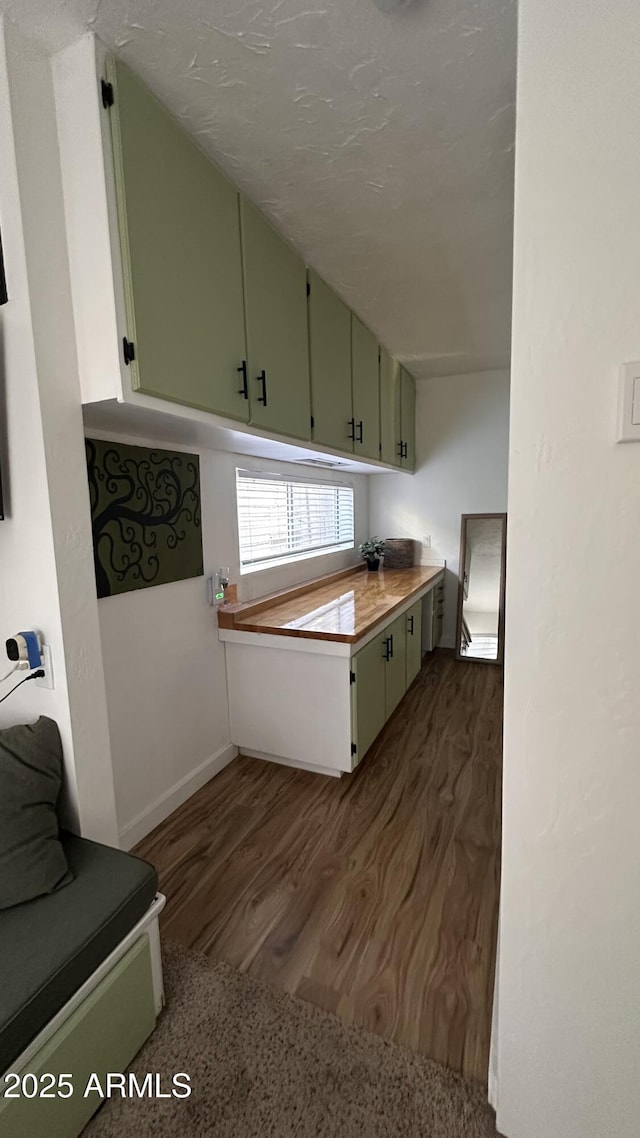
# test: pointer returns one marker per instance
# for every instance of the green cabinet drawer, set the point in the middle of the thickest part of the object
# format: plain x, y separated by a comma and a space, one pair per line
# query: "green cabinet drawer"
179, 226
102, 1035
275, 290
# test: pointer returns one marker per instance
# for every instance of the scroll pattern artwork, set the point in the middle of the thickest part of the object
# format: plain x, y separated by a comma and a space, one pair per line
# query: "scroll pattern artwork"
145, 515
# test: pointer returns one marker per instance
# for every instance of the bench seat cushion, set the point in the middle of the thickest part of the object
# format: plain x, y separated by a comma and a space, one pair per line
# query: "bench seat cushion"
51, 945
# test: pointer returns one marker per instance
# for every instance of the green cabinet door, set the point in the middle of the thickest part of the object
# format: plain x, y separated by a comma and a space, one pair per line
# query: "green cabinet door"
365, 372
275, 290
396, 664
408, 419
390, 437
368, 706
180, 237
330, 363
413, 621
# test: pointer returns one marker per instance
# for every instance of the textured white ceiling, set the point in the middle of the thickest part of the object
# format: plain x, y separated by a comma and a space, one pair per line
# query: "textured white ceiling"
381, 145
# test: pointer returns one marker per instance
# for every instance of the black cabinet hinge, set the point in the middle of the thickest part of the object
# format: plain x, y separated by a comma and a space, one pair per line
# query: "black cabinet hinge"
106, 90
354, 749
352, 677
308, 288
128, 350
4, 295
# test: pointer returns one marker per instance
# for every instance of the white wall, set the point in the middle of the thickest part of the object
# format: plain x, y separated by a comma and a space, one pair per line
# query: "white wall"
45, 545
568, 1051
462, 425
164, 665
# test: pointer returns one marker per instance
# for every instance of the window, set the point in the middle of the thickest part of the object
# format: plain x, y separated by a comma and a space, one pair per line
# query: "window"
286, 519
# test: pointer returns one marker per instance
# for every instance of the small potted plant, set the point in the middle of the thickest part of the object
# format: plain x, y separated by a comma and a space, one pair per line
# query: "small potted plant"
372, 550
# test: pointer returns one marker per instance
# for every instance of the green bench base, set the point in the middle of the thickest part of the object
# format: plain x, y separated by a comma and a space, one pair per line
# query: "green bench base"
101, 1035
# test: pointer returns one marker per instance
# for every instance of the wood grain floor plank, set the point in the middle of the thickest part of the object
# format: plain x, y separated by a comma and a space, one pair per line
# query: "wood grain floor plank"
374, 896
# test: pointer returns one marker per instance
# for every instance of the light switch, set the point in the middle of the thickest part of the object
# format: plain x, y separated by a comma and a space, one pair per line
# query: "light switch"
635, 407
629, 404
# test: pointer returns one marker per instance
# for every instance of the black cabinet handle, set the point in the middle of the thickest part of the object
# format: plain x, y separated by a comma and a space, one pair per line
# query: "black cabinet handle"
244, 390
410, 630
387, 648
352, 429
262, 378
359, 438
401, 449
391, 647
404, 449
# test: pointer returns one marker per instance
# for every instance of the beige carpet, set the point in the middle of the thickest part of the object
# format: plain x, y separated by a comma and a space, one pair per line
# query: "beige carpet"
267, 1065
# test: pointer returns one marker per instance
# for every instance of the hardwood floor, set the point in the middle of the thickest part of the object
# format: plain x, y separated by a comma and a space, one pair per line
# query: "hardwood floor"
374, 896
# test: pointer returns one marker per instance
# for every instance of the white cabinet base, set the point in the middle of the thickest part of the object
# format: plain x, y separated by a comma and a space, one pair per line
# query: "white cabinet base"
292, 707
292, 763
290, 698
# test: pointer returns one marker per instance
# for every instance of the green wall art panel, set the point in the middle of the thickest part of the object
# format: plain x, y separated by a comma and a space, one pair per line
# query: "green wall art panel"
145, 516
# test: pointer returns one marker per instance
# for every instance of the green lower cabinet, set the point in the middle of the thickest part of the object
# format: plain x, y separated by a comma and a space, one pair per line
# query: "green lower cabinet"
368, 699
102, 1035
396, 664
413, 620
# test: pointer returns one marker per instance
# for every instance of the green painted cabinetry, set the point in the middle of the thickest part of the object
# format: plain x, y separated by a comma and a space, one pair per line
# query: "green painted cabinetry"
330, 364
407, 420
413, 619
275, 290
365, 374
180, 238
368, 699
390, 437
217, 314
396, 673
101, 1036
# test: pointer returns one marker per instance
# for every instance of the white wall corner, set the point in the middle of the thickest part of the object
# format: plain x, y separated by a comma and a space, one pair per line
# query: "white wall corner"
135, 830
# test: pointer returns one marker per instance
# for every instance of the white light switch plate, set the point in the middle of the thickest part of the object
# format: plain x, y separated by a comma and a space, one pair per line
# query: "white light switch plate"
629, 404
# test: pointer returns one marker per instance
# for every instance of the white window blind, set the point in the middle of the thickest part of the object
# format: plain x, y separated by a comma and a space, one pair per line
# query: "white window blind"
283, 519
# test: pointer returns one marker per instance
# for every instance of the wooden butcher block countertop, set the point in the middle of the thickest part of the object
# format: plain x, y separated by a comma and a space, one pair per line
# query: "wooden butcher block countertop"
343, 607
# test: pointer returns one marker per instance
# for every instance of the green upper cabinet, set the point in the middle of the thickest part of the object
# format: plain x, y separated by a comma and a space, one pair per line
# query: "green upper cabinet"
180, 237
275, 289
365, 371
330, 363
408, 420
390, 426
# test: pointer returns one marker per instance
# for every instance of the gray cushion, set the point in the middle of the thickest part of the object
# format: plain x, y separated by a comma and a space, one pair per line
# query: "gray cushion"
50, 946
32, 860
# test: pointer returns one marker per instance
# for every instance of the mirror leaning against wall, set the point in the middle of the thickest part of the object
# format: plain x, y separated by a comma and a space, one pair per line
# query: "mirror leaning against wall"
480, 624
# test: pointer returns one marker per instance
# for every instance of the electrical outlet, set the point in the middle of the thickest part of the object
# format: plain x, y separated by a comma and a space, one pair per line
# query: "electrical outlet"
47, 679
426, 541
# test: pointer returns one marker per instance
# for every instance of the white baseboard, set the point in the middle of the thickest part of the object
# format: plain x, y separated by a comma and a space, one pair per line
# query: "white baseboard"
284, 762
156, 813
